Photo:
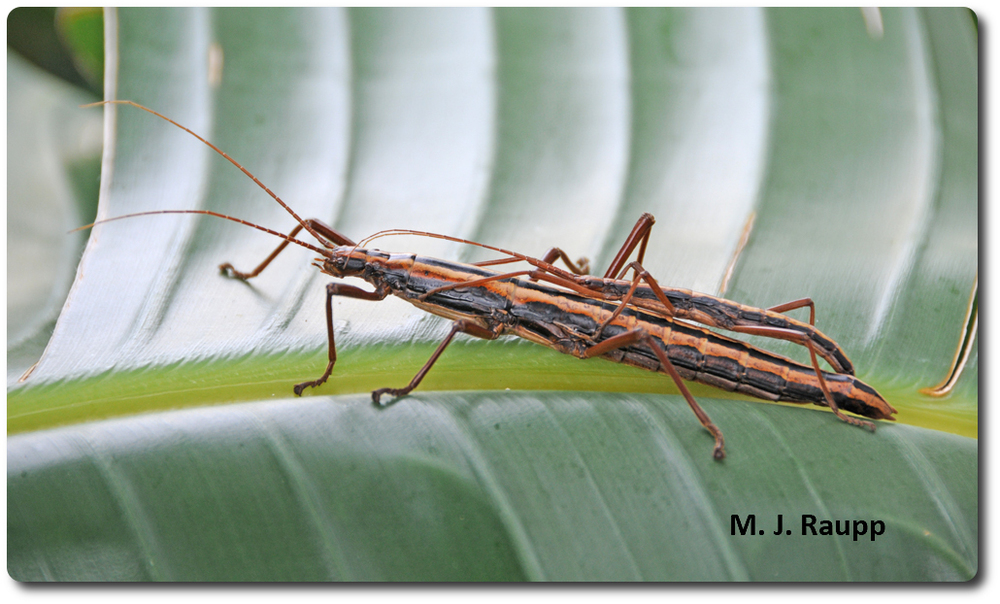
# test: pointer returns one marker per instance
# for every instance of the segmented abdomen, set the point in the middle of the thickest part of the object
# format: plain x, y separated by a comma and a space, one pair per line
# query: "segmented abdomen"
709, 358
725, 314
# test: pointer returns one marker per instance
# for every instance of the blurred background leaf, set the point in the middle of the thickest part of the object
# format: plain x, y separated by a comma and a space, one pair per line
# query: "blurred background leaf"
66, 42
53, 172
847, 139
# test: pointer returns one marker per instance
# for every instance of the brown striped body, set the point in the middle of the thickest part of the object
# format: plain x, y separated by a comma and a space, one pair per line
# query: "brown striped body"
567, 322
719, 312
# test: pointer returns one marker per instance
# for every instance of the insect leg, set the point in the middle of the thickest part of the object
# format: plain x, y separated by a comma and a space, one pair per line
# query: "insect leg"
497, 261
329, 232
798, 304
639, 236
473, 283
458, 326
338, 289
827, 348
641, 274
801, 338
314, 224
534, 274
580, 267
635, 336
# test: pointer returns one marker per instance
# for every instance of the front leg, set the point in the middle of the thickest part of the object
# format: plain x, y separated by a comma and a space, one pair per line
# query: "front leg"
314, 225
339, 289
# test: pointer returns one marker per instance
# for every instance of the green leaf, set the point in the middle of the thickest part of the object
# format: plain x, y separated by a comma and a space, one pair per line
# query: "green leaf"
82, 31
852, 155
485, 486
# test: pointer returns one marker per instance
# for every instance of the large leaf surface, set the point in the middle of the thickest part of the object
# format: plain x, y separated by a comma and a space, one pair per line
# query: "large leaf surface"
854, 154
485, 486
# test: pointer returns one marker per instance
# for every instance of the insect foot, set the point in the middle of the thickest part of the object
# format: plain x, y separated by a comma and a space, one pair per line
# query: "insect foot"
229, 271
719, 452
301, 387
377, 394
870, 426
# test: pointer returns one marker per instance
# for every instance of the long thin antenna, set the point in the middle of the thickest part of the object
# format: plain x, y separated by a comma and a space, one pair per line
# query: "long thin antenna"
550, 268
323, 252
390, 232
223, 154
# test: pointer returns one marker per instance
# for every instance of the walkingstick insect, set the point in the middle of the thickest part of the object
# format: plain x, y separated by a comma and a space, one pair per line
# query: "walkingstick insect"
633, 321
